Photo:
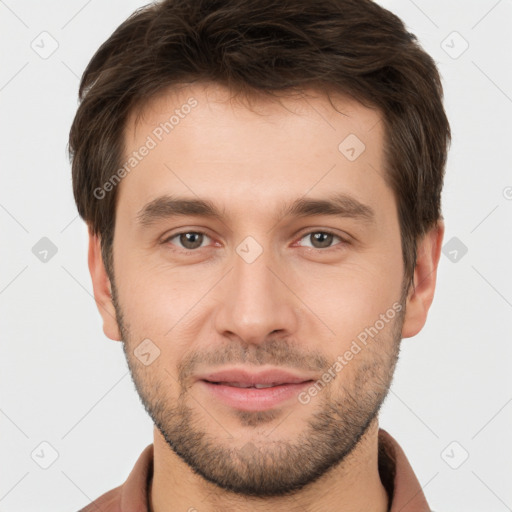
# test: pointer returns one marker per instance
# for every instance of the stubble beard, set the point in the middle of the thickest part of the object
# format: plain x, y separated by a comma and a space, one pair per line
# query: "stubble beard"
262, 466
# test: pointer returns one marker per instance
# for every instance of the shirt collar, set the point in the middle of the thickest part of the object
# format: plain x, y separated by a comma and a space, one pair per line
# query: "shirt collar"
397, 475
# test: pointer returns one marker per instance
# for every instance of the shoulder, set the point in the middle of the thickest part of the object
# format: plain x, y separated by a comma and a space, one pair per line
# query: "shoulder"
108, 502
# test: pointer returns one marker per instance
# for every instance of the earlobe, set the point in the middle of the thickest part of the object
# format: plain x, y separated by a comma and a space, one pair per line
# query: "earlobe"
102, 288
420, 296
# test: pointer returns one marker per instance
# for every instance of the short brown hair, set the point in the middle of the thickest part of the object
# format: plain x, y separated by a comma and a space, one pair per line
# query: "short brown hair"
355, 47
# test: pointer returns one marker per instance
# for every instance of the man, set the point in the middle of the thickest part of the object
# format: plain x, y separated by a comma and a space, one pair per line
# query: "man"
261, 183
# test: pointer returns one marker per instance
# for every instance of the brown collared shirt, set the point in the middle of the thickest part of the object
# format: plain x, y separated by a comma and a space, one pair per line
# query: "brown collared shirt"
404, 491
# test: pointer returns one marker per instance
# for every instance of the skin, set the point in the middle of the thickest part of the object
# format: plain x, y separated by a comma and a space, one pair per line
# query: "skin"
299, 305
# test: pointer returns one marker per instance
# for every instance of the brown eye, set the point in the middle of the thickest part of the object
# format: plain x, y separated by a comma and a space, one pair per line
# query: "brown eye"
189, 240
321, 239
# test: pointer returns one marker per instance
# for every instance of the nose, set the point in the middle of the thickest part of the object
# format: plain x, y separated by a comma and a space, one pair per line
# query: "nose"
256, 301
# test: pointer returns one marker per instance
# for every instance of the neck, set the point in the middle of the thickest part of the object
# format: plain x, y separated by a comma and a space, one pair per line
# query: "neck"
352, 486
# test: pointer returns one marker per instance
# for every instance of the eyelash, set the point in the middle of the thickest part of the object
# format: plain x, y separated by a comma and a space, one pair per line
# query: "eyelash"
343, 242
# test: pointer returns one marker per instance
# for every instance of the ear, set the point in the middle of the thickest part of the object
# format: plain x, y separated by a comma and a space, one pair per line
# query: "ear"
421, 295
102, 289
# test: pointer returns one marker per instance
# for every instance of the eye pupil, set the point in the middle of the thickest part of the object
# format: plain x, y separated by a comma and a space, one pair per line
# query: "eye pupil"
191, 240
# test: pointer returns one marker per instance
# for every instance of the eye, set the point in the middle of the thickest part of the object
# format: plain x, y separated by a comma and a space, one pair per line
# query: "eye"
322, 239
192, 240
188, 240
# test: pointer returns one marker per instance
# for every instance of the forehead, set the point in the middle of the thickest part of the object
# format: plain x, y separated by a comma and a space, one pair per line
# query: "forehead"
213, 99
250, 151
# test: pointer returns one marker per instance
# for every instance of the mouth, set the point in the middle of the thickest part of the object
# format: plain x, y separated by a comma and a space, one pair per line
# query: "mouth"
254, 391
245, 385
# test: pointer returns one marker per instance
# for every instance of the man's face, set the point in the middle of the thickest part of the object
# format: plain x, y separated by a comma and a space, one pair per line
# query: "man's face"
256, 289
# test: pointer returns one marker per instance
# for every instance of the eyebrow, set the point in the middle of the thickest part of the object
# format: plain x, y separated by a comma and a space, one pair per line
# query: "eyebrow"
338, 205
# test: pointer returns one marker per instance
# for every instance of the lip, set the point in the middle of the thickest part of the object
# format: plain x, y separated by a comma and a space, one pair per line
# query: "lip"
243, 376
284, 387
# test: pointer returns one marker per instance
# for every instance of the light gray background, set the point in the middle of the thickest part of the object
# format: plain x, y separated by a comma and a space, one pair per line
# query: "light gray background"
64, 383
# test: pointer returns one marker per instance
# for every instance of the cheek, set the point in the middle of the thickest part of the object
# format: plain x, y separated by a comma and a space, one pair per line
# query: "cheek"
154, 297
347, 298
